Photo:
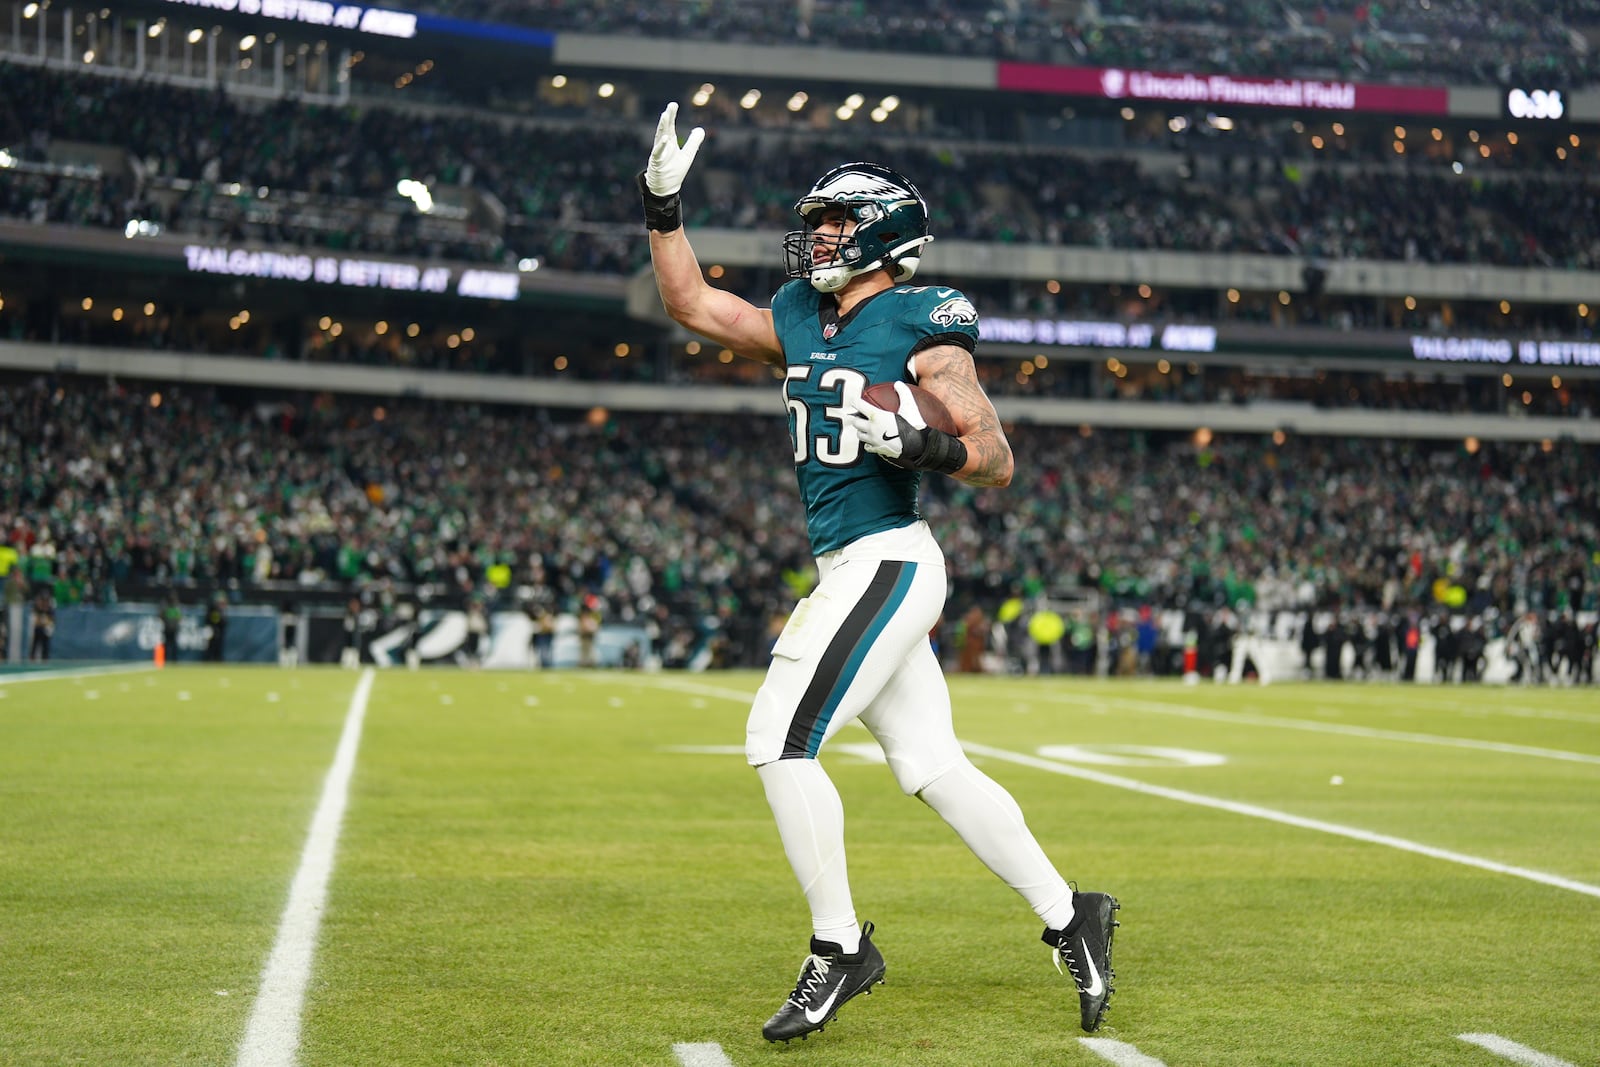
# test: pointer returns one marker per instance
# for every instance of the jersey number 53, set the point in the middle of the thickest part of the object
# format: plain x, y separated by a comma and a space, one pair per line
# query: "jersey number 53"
815, 427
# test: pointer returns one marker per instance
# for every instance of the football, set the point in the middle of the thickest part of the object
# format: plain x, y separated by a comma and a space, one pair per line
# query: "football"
882, 395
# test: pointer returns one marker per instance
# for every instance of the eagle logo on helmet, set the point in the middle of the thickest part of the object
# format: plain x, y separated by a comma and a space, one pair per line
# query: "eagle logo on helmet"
854, 186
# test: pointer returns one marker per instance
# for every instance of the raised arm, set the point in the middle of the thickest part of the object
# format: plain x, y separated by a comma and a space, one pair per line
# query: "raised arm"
714, 313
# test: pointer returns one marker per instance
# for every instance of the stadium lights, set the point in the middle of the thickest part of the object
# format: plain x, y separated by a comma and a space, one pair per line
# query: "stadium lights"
195, 36
528, 264
750, 99
797, 101
30, 11
155, 30
703, 95
1219, 122
558, 81
416, 192
247, 42
7, 159
605, 91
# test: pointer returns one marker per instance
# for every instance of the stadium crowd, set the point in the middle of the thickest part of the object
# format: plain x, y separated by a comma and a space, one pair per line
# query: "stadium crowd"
306, 174
1408, 41
689, 522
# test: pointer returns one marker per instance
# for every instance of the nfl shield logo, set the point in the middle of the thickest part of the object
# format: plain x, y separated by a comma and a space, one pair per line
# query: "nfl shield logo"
829, 330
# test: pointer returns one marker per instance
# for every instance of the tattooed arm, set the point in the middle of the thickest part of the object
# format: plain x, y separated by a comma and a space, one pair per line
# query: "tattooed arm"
948, 373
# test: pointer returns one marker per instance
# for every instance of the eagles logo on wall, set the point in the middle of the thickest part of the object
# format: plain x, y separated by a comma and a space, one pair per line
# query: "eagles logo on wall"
956, 310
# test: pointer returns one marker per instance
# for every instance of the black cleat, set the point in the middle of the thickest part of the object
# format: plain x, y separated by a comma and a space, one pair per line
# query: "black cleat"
828, 978
1083, 949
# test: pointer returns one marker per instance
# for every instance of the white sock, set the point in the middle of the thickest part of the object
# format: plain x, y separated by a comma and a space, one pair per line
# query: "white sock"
989, 821
810, 820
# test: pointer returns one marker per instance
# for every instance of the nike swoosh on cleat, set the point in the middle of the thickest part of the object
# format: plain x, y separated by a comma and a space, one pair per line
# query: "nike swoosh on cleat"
821, 1013
1095, 986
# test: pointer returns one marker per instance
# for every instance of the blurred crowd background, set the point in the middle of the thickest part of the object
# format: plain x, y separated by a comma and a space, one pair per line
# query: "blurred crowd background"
313, 467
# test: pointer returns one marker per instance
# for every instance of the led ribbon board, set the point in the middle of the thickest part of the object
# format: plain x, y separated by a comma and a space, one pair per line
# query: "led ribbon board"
343, 270
359, 18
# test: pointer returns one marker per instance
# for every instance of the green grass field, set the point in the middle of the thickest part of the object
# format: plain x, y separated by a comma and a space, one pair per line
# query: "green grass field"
571, 868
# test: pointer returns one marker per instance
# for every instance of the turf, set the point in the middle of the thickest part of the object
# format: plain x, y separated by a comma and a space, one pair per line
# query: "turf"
530, 872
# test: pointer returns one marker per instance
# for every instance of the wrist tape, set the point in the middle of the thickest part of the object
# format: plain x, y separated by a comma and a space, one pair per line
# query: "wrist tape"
663, 213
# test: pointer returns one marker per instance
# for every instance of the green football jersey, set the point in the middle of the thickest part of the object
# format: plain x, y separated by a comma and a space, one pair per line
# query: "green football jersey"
849, 492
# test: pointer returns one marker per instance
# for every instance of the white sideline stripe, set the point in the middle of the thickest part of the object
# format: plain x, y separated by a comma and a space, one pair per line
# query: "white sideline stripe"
1419, 700
696, 688
7, 679
708, 1054
1189, 711
1256, 812
1512, 1051
1118, 1052
272, 1036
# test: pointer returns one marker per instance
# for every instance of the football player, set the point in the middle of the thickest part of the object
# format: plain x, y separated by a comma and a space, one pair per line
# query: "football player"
857, 647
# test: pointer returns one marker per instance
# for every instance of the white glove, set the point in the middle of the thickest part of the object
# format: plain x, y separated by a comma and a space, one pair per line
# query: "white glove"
888, 433
669, 163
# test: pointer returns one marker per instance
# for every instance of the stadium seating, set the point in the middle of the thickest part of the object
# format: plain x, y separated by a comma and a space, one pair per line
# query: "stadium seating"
155, 482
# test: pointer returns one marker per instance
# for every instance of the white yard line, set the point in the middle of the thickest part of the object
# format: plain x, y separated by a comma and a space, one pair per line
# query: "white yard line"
1189, 711
1512, 1051
1256, 812
8, 678
1118, 1052
272, 1037
705, 1054
1417, 699
1200, 800
693, 688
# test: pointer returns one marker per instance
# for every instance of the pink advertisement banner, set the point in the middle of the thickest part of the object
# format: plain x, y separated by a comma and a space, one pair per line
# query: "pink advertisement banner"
1222, 90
